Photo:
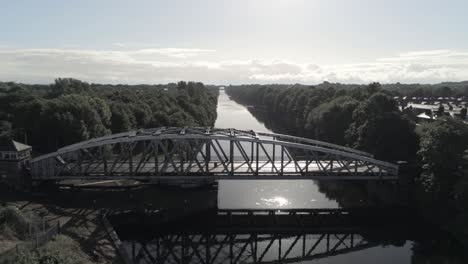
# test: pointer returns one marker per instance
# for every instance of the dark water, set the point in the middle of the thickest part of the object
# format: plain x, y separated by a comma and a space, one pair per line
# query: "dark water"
192, 230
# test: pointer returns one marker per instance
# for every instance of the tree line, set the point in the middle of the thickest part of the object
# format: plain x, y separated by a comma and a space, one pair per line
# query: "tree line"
445, 89
368, 118
354, 117
69, 110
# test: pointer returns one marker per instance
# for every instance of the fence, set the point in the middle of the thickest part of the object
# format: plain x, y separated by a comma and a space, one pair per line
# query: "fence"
36, 240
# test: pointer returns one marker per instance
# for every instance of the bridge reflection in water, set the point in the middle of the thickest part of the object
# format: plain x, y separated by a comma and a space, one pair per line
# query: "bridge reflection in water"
260, 236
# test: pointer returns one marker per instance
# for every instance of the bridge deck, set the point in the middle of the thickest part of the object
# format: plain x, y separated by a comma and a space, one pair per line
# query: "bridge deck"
217, 171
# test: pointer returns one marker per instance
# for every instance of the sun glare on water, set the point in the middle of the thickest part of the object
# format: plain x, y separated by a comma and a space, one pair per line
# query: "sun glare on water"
276, 201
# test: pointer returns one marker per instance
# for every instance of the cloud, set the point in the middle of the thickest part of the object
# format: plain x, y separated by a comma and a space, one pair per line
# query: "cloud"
425, 53
71, 46
119, 44
172, 52
428, 55
164, 65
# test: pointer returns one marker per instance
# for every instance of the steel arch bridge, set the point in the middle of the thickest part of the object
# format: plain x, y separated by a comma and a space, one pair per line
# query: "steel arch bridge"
245, 248
257, 236
171, 153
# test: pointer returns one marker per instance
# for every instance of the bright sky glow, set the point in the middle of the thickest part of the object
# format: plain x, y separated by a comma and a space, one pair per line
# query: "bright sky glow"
242, 41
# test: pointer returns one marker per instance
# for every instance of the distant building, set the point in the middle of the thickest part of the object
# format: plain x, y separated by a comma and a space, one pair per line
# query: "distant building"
14, 158
424, 117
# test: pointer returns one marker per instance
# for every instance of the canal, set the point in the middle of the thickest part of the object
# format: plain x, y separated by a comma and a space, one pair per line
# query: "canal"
262, 193
262, 231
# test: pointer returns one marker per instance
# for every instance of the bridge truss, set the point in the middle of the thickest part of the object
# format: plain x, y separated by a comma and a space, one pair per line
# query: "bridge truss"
258, 236
244, 248
207, 154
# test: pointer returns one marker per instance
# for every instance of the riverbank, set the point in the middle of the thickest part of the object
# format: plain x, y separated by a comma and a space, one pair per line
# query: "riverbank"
79, 220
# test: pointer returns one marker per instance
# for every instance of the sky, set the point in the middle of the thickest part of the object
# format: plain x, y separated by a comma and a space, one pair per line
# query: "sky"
234, 41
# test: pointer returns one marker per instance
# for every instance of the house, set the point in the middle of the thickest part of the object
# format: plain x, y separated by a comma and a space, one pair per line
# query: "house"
14, 158
425, 117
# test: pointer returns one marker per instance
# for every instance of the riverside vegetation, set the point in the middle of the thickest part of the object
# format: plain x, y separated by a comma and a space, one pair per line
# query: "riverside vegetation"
15, 228
368, 118
69, 111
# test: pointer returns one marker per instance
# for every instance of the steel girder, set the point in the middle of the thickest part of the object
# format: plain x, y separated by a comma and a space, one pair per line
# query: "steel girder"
207, 154
244, 248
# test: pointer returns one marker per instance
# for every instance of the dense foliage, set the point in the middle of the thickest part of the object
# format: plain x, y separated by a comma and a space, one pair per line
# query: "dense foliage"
60, 250
443, 148
365, 118
443, 183
445, 89
16, 225
379, 128
68, 111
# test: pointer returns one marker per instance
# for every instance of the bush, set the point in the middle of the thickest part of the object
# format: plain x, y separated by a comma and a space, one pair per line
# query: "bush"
442, 151
14, 223
61, 250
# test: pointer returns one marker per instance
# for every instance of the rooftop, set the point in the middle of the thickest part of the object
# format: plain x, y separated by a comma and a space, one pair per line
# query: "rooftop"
424, 116
11, 145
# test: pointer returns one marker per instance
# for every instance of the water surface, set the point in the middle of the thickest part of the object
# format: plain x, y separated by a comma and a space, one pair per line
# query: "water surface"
257, 194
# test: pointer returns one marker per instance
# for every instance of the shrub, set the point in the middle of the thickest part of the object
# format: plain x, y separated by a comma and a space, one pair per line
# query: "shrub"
13, 222
61, 250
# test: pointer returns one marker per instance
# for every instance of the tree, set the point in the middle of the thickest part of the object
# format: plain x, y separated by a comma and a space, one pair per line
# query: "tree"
5, 129
379, 128
122, 119
419, 92
465, 91
410, 114
443, 91
68, 85
373, 88
389, 136
142, 114
442, 149
463, 113
329, 121
181, 85
440, 111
